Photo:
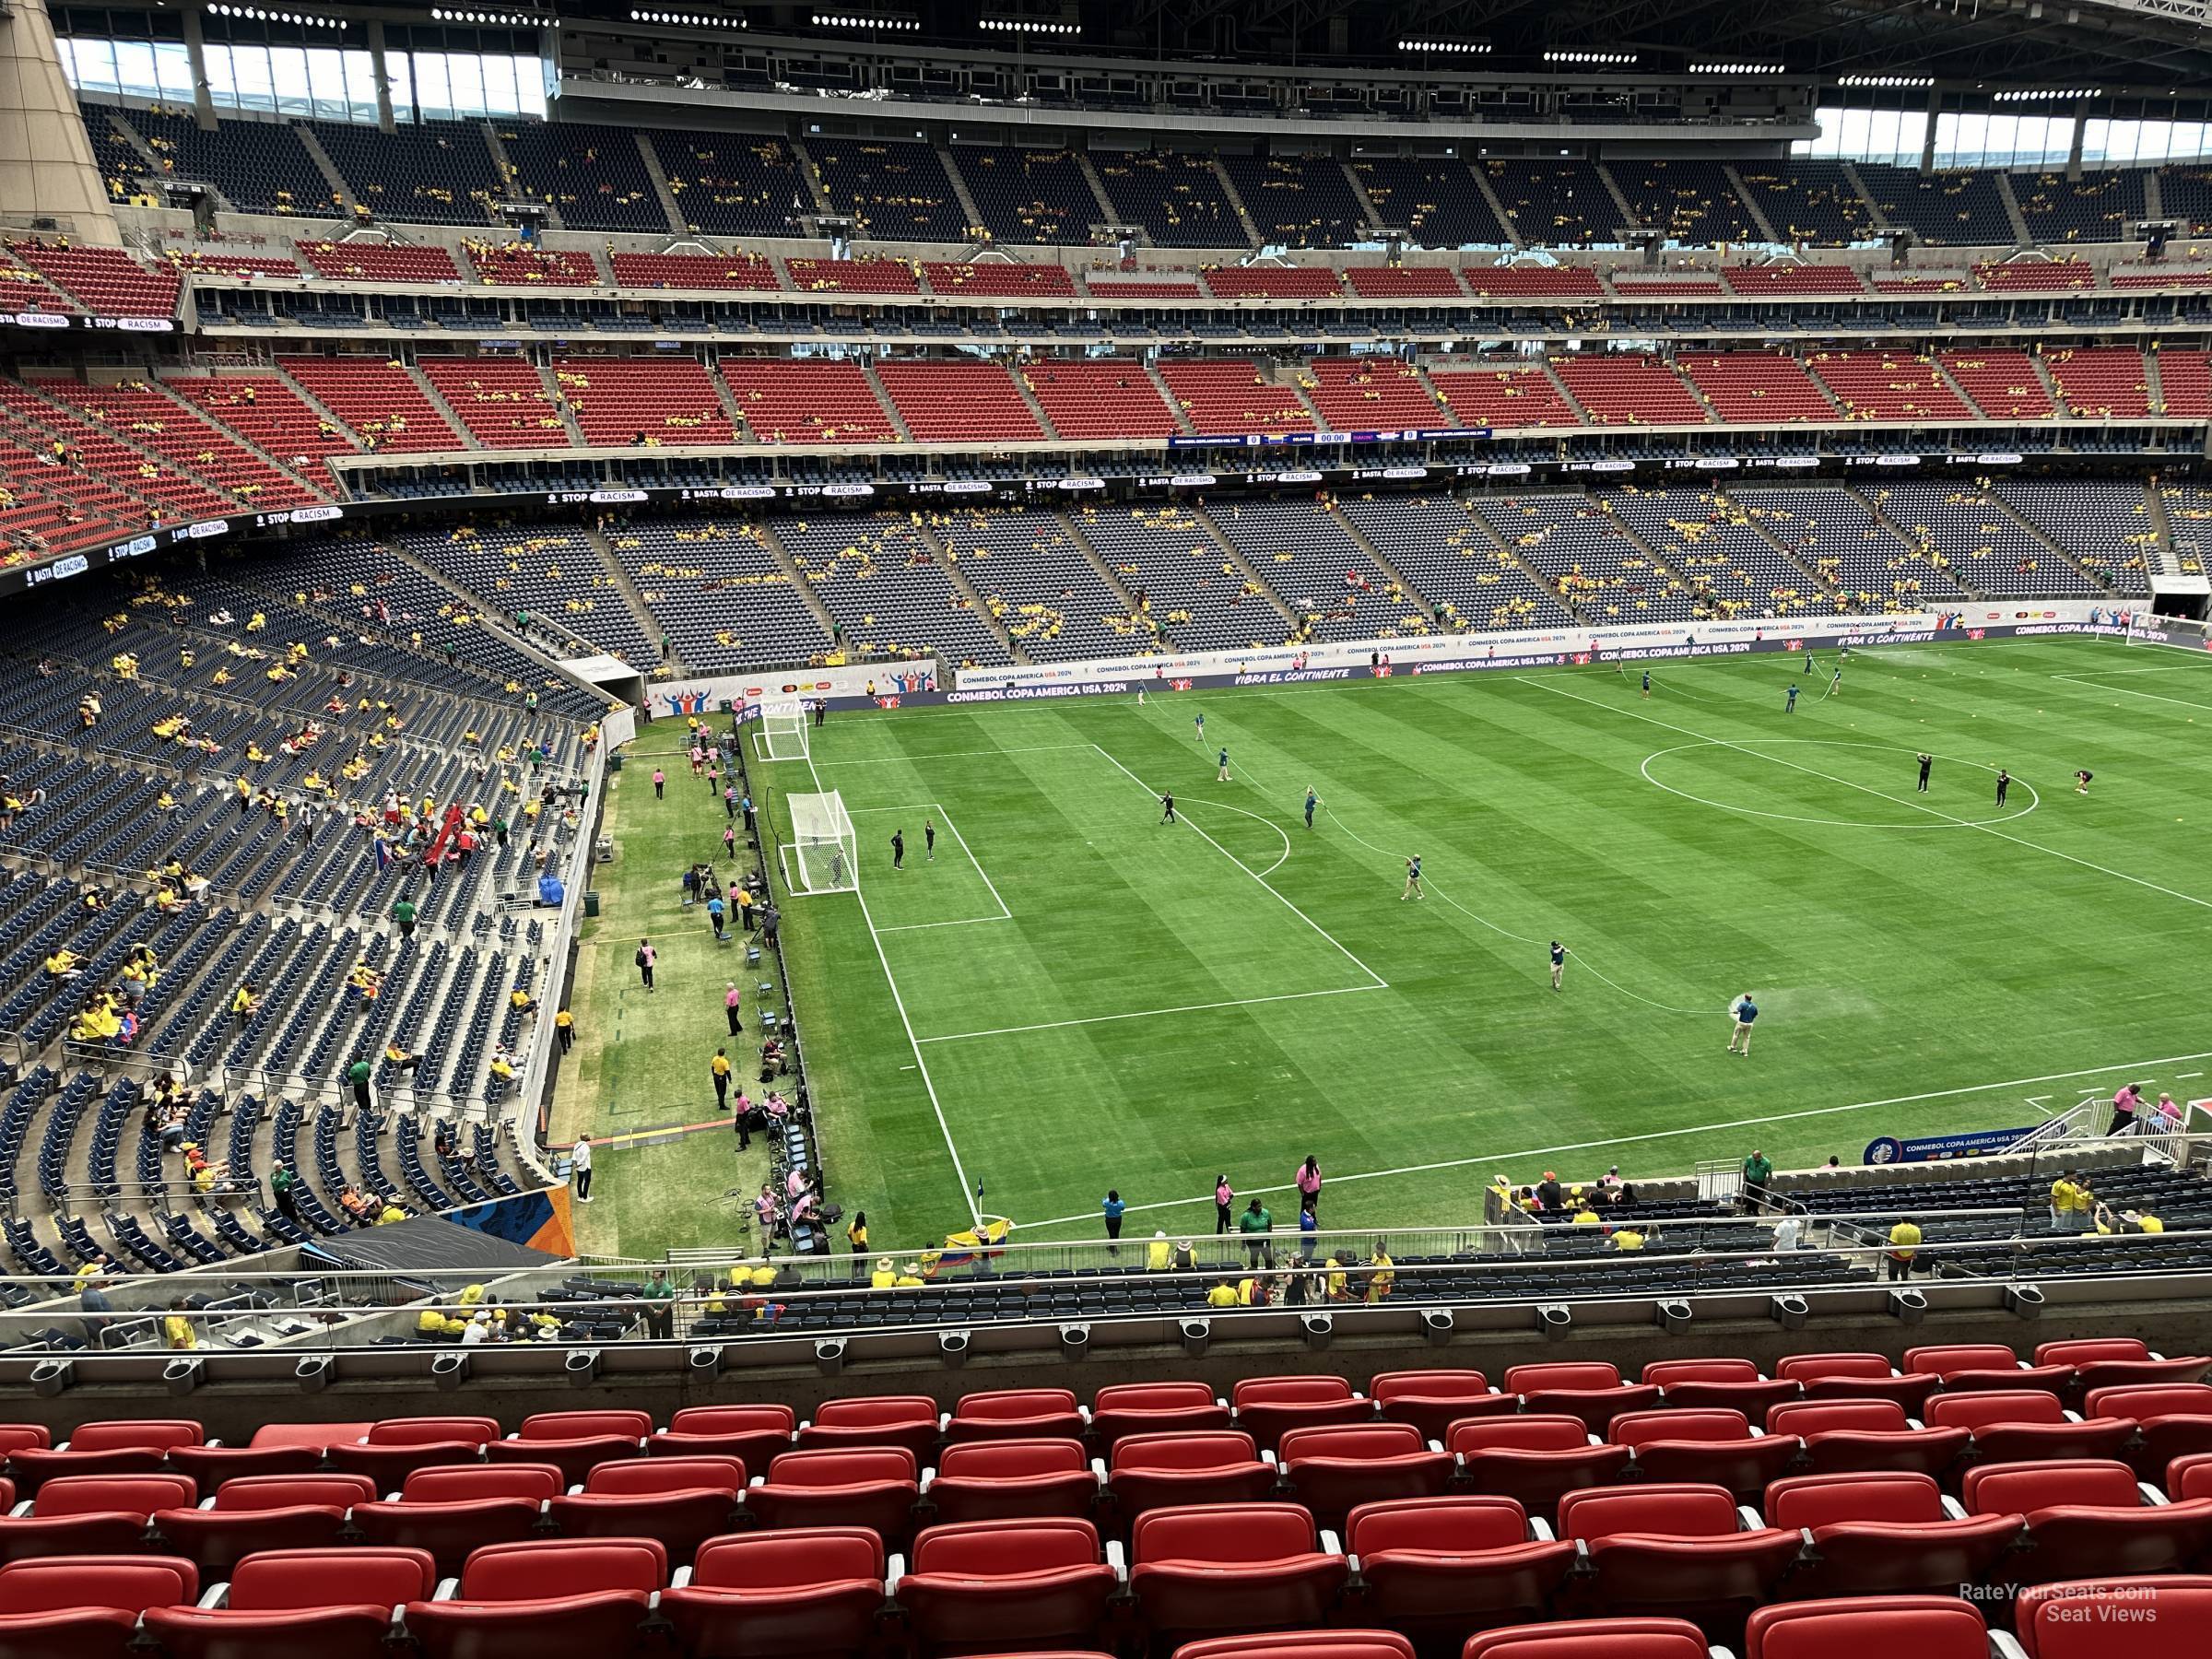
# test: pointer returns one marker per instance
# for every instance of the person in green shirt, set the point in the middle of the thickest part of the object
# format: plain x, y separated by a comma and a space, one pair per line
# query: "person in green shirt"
402, 914
358, 1075
280, 1189
1255, 1224
660, 1305
1758, 1172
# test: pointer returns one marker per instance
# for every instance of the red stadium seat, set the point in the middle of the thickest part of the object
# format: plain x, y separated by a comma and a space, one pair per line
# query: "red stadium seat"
1333, 1471
2015, 1425
873, 1487
752, 1434
332, 1604
1883, 1534
987, 1584
1298, 1645
909, 1420
262, 1512
396, 1448
1590, 1639
122, 1447
1968, 1365
549, 1599
2189, 1476
575, 1442
1856, 1377
1155, 1471
1221, 1568
1534, 1460
86, 1606
1434, 1400
1266, 1406
2171, 1419
1676, 1551
210, 1467
452, 1511
18, 1436
1591, 1390
681, 1501
1712, 1445
92, 1515
2088, 1519
1124, 1408
807, 1592
1448, 1565
1733, 1384
1017, 1414
1864, 1436
2114, 1361
990, 1481
1923, 1627
2144, 1618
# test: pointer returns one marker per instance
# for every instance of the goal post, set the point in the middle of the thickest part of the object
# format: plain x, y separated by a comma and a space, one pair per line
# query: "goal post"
783, 729
823, 848
2173, 633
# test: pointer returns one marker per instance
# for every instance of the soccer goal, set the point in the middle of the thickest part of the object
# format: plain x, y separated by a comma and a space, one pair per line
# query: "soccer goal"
2171, 631
783, 729
822, 856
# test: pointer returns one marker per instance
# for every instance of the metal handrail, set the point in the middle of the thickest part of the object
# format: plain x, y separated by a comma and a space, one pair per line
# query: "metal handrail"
378, 1298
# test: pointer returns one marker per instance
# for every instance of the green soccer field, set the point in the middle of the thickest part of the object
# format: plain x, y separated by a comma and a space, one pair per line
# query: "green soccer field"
1073, 996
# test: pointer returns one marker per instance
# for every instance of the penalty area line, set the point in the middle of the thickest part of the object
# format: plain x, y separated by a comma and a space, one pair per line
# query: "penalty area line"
1241, 1001
1659, 1134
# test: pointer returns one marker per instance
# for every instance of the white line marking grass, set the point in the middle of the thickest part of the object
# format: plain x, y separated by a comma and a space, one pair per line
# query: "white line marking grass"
991, 887
2130, 1066
1380, 982
891, 981
2089, 685
1034, 749
1900, 800
1241, 1002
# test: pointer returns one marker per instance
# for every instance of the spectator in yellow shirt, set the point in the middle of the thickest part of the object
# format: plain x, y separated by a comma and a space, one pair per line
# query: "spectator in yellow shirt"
1223, 1295
176, 1327
1903, 1238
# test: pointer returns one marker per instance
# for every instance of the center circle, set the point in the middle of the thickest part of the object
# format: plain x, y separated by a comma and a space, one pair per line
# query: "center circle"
1933, 821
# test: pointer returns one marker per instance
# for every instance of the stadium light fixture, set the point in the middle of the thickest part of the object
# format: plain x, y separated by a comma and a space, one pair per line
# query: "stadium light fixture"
863, 20
1028, 26
1615, 59
1886, 80
2031, 94
262, 15
686, 19
1739, 69
1464, 48
495, 19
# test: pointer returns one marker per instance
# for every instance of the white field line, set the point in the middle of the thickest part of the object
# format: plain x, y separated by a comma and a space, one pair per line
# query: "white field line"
1034, 749
1380, 982
1899, 800
972, 859
1241, 1001
2088, 685
938, 807
2131, 1066
1224, 807
898, 1002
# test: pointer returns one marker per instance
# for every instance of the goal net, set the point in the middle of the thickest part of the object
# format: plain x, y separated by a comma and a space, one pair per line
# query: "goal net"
2144, 628
822, 846
783, 729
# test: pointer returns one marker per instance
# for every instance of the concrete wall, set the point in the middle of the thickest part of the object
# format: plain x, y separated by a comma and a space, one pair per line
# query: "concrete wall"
46, 169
